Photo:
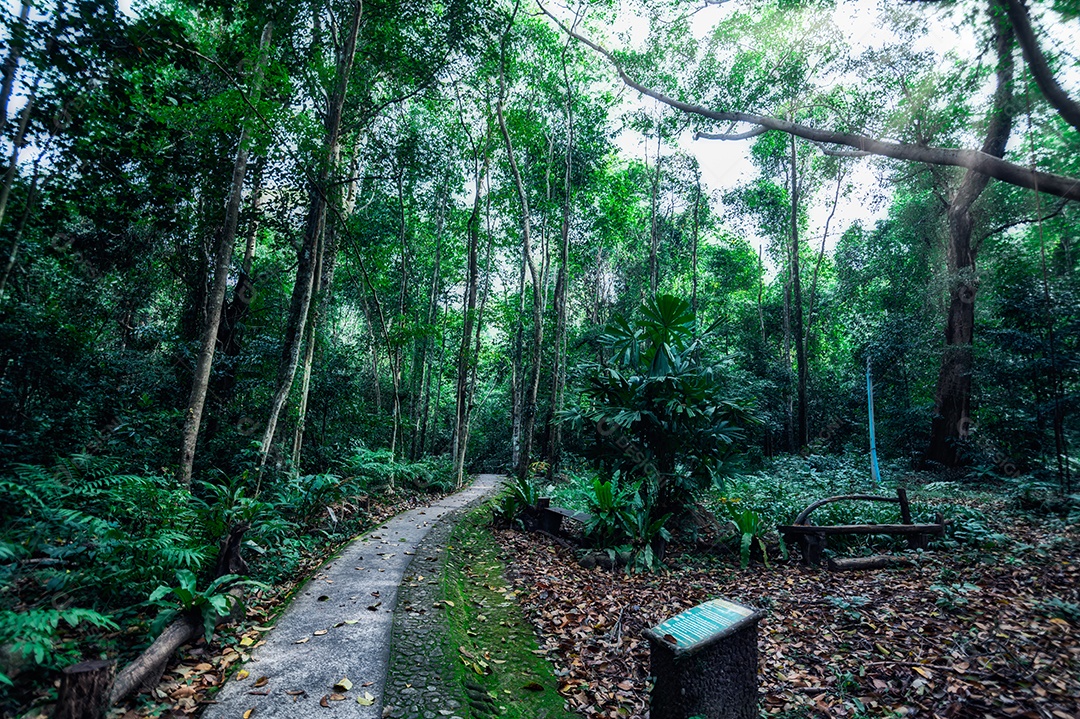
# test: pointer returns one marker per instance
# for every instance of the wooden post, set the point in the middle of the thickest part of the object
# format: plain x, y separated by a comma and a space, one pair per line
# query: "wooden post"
84, 690
905, 508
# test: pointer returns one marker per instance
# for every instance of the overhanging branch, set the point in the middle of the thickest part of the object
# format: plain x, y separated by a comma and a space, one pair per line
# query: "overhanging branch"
754, 132
975, 160
1040, 68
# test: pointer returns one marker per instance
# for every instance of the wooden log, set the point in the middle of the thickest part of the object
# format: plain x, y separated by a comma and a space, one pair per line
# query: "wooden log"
146, 669
84, 690
900, 529
855, 564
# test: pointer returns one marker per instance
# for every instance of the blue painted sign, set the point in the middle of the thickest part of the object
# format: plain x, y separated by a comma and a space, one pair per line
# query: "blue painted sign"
702, 622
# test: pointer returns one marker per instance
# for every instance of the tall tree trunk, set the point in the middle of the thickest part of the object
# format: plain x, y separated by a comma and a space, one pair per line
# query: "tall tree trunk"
216, 300
309, 354
952, 413
529, 403
16, 42
31, 193
424, 385
821, 255
472, 273
654, 233
801, 435
315, 224
694, 240
230, 333
517, 375
397, 352
789, 399
16, 145
474, 367
558, 364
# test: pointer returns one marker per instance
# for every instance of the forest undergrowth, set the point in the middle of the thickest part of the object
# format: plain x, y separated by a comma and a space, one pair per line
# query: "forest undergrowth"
982, 625
86, 546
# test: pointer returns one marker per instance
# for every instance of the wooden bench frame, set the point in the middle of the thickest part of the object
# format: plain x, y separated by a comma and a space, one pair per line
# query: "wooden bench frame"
551, 518
813, 539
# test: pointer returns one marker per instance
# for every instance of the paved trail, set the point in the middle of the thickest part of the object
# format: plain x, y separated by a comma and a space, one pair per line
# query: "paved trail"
339, 625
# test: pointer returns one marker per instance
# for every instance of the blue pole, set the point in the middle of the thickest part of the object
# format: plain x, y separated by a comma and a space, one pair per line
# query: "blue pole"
875, 473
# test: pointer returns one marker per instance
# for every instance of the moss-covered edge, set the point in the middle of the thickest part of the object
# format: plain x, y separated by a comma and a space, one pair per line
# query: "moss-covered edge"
492, 643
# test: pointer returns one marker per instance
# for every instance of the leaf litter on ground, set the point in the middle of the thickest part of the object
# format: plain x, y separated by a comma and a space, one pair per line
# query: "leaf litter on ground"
882, 643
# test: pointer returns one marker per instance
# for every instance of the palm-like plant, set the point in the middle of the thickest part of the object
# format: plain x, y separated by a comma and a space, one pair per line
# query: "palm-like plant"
659, 406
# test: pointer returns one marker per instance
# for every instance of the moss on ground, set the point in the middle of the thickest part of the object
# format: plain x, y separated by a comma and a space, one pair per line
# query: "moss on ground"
496, 664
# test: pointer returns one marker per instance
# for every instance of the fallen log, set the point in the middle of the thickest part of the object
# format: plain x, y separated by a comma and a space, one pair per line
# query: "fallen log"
855, 564
146, 670
84, 689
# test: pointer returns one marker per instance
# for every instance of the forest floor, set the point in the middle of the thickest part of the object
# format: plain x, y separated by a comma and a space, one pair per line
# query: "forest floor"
980, 628
966, 632
192, 681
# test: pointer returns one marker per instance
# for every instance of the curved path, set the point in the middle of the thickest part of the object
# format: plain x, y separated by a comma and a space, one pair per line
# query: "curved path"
339, 626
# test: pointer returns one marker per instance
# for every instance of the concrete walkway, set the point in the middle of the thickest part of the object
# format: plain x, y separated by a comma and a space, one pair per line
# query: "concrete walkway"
339, 626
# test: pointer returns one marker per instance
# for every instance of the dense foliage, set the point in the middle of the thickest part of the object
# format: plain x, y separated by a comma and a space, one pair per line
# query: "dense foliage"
263, 261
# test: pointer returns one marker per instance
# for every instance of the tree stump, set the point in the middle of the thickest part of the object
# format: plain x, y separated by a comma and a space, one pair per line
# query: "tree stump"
84, 690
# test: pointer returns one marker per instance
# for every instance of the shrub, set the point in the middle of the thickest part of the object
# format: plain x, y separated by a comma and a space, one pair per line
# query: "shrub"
661, 410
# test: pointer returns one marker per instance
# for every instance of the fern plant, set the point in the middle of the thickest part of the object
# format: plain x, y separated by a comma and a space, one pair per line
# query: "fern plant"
210, 604
33, 634
750, 531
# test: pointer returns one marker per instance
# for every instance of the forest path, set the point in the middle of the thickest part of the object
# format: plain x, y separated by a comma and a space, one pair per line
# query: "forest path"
339, 625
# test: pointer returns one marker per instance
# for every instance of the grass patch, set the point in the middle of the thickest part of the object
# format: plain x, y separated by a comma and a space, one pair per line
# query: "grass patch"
488, 637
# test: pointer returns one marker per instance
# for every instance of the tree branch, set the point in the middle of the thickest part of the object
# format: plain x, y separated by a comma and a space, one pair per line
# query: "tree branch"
1040, 68
759, 130
975, 160
1024, 221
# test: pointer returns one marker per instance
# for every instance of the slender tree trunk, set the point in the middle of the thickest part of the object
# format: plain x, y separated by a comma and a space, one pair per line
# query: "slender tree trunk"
216, 300
558, 365
477, 334
421, 409
230, 331
16, 42
694, 240
529, 404
517, 372
397, 356
760, 293
440, 363
654, 235
13, 256
316, 222
802, 433
821, 256
309, 355
789, 399
461, 415
16, 146
952, 416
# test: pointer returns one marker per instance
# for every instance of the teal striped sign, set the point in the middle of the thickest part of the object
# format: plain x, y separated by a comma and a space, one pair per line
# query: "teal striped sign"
702, 622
